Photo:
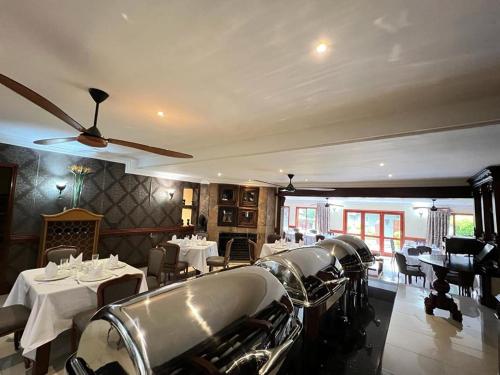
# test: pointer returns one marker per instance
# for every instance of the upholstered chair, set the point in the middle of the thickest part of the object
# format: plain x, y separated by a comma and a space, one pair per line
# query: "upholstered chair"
174, 266
252, 250
156, 266
218, 261
408, 270
272, 238
55, 254
13, 319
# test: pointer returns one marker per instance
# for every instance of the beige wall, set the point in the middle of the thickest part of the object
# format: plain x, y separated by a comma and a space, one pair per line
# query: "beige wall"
265, 220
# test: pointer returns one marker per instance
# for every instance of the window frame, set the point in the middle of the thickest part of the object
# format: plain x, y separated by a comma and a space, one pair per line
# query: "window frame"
306, 208
453, 222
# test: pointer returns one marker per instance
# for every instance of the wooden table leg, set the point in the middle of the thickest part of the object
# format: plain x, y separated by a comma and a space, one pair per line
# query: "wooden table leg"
41, 364
440, 299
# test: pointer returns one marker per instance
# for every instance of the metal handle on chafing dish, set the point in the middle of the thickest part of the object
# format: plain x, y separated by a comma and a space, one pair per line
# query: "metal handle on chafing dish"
271, 356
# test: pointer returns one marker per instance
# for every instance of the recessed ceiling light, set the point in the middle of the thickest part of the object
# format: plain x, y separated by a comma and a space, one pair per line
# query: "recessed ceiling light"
306, 180
219, 174
321, 48
161, 114
389, 175
381, 164
281, 170
124, 16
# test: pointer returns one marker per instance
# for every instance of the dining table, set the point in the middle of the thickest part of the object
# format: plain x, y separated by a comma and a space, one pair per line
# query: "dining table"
439, 298
273, 248
54, 303
195, 252
412, 260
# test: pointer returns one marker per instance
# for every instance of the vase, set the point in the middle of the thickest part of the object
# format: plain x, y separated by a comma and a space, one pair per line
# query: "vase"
77, 190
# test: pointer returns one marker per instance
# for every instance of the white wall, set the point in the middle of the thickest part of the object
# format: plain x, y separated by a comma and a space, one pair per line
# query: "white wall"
415, 224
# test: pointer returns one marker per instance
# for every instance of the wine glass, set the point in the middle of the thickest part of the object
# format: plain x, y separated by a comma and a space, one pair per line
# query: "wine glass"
95, 258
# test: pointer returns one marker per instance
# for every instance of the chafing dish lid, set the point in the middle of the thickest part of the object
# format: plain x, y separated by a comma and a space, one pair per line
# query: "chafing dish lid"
299, 270
345, 254
359, 245
160, 325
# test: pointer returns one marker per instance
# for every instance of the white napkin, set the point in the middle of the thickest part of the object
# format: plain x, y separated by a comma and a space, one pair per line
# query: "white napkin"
75, 261
204, 239
174, 237
276, 242
96, 272
50, 270
113, 260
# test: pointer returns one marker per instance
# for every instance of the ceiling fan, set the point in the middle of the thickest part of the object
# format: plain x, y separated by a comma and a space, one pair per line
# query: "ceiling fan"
290, 188
88, 136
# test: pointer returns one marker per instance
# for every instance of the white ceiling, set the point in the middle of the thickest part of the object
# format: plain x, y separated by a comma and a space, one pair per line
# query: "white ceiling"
245, 93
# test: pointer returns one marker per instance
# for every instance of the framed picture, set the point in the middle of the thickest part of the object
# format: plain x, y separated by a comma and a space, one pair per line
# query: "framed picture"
249, 196
227, 216
247, 218
228, 195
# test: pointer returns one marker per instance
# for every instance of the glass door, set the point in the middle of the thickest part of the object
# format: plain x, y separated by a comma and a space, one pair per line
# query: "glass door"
372, 231
392, 232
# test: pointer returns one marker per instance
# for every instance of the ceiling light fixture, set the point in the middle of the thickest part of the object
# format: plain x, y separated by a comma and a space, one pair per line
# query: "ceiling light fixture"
389, 175
219, 174
381, 164
321, 48
161, 114
281, 170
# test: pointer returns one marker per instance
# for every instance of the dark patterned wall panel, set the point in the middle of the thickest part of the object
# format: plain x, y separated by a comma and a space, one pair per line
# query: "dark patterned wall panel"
125, 200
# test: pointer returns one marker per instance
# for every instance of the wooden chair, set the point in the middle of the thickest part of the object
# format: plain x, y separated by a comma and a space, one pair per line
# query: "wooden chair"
173, 265
218, 261
408, 270
13, 319
55, 254
272, 238
464, 281
252, 250
156, 266
108, 292
299, 237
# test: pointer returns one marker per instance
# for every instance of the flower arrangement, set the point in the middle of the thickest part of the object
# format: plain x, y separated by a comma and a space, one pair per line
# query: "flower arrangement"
79, 173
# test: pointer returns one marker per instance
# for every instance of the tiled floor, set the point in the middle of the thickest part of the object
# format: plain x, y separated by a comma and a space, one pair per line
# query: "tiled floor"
418, 343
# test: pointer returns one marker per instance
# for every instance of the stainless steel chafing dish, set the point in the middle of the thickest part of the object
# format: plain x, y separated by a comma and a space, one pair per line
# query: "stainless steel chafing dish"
311, 280
361, 248
353, 268
230, 322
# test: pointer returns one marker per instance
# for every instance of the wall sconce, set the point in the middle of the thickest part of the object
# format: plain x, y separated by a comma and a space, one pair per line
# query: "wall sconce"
171, 193
60, 186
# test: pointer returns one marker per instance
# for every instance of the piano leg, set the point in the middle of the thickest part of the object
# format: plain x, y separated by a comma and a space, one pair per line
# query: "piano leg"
440, 299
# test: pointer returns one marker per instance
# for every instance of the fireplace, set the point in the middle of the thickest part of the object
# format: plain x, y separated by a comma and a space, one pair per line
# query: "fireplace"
240, 249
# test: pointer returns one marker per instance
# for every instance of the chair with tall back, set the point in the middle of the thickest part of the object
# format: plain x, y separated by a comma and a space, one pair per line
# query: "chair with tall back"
13, 319
299, 237
252, 250
272, 238
55, 254
173, 265
108, 292
218, 261
156, 266
424, 249
319, 237
408, 270
413, 251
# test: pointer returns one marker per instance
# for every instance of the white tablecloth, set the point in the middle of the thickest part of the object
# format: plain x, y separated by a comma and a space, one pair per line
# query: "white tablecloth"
424, 267
271, 248
309, 239
54, 304
196, 252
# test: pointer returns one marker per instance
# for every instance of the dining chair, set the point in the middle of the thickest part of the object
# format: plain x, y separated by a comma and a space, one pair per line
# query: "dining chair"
413, 251
55, 254
299, 237
108, 292
424, 249
13, 319
218, 261
202, 234
272, 238
156, 266
407, 269
252, 250
319, 237
464, 281
173, 265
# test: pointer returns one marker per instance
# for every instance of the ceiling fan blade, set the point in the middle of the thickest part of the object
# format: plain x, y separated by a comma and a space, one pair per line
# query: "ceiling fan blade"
269, 183
319, 188
40, 101
154, 150
54, 141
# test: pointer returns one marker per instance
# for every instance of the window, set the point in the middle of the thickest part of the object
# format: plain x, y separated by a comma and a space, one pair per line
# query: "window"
462, 225
305, 218
381, 230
